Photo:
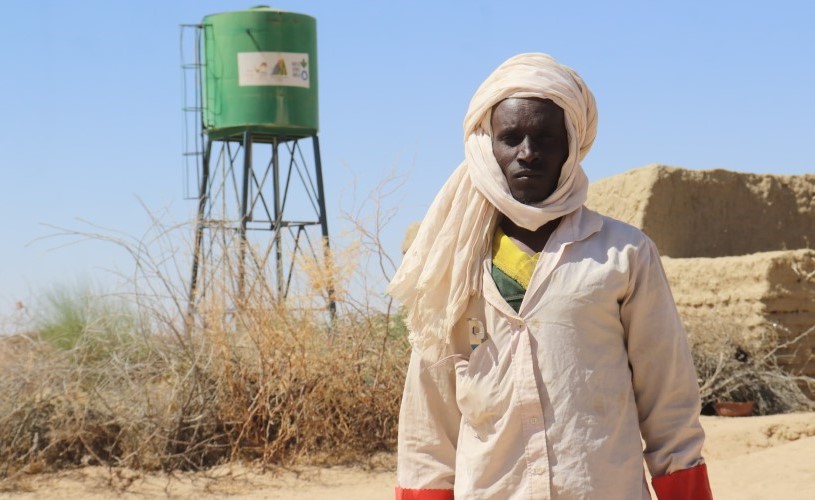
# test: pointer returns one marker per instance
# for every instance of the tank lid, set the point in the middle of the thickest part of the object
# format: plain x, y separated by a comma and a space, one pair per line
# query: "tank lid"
256, 8
264, 7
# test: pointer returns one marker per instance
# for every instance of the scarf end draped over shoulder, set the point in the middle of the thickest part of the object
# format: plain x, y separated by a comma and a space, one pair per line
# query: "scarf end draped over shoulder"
433, 284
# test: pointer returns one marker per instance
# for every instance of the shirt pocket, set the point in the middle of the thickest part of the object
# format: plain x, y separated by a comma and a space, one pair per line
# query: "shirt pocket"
483, 389
581, 306
573, 292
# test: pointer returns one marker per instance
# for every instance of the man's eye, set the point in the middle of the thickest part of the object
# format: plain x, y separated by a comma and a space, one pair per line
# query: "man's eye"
510, 140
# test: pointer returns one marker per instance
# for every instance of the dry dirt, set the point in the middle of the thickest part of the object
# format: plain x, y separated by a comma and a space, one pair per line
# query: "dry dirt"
748, 458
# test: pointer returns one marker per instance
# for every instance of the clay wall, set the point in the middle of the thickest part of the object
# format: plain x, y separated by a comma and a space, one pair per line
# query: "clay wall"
712, 213
766, 297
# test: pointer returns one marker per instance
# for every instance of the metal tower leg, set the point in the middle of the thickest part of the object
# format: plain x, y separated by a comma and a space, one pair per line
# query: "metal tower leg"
234, 203
203, 189
245, 215
332, 306
278, 219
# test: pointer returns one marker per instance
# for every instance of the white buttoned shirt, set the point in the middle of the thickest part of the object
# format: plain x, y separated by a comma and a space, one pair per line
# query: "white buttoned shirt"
558, 399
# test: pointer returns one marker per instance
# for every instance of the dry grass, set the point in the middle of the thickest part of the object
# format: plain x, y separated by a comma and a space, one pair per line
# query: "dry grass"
270, 384
244, 378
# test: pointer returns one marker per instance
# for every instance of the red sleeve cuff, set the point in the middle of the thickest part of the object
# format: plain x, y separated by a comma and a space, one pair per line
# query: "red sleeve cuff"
687, 484
411, 494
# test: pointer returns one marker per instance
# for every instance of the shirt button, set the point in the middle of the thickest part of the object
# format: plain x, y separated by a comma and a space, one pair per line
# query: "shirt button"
538, 470
533, 420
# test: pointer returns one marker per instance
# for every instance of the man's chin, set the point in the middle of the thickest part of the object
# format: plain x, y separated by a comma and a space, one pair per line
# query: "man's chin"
529, 193
527, 199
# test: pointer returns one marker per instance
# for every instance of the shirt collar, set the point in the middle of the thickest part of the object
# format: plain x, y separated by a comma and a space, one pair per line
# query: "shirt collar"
577, 226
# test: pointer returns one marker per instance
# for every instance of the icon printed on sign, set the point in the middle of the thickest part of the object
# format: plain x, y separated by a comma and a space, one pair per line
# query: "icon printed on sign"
280, 68
476, 331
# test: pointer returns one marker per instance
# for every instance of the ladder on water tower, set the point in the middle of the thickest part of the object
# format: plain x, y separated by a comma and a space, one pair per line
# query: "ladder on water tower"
192, 71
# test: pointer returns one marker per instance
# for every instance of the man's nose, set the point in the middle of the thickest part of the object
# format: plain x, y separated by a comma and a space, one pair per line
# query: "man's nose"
526, 151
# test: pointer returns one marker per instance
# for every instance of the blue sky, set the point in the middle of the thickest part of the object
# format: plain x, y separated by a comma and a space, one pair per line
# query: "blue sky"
93, 125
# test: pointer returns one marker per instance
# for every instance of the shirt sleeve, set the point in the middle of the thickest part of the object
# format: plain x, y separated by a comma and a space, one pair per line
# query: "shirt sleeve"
428, 428
663, 377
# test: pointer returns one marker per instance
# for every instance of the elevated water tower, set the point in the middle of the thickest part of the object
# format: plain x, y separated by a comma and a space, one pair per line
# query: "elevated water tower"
251, 98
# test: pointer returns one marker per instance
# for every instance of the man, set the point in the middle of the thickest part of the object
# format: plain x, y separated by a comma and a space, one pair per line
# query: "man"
545, 339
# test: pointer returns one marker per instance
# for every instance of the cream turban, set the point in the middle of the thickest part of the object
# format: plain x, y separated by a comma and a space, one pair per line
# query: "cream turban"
442, 268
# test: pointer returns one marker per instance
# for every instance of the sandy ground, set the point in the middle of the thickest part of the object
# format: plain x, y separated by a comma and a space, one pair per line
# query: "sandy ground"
748, 458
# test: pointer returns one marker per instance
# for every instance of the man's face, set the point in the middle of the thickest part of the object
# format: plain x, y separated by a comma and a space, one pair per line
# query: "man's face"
530, 143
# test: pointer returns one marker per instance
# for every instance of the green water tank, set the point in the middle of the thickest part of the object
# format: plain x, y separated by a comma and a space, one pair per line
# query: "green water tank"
260, 73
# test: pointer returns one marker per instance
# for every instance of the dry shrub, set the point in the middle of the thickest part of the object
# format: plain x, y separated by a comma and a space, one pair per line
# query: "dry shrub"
741, 365
241, 378
732, 366
292, 386
279, 386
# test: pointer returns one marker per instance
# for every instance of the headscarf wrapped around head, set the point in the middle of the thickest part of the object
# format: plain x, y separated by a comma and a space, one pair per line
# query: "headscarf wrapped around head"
442, 268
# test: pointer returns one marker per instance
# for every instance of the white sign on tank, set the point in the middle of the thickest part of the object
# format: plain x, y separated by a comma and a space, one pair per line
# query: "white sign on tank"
273, 69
